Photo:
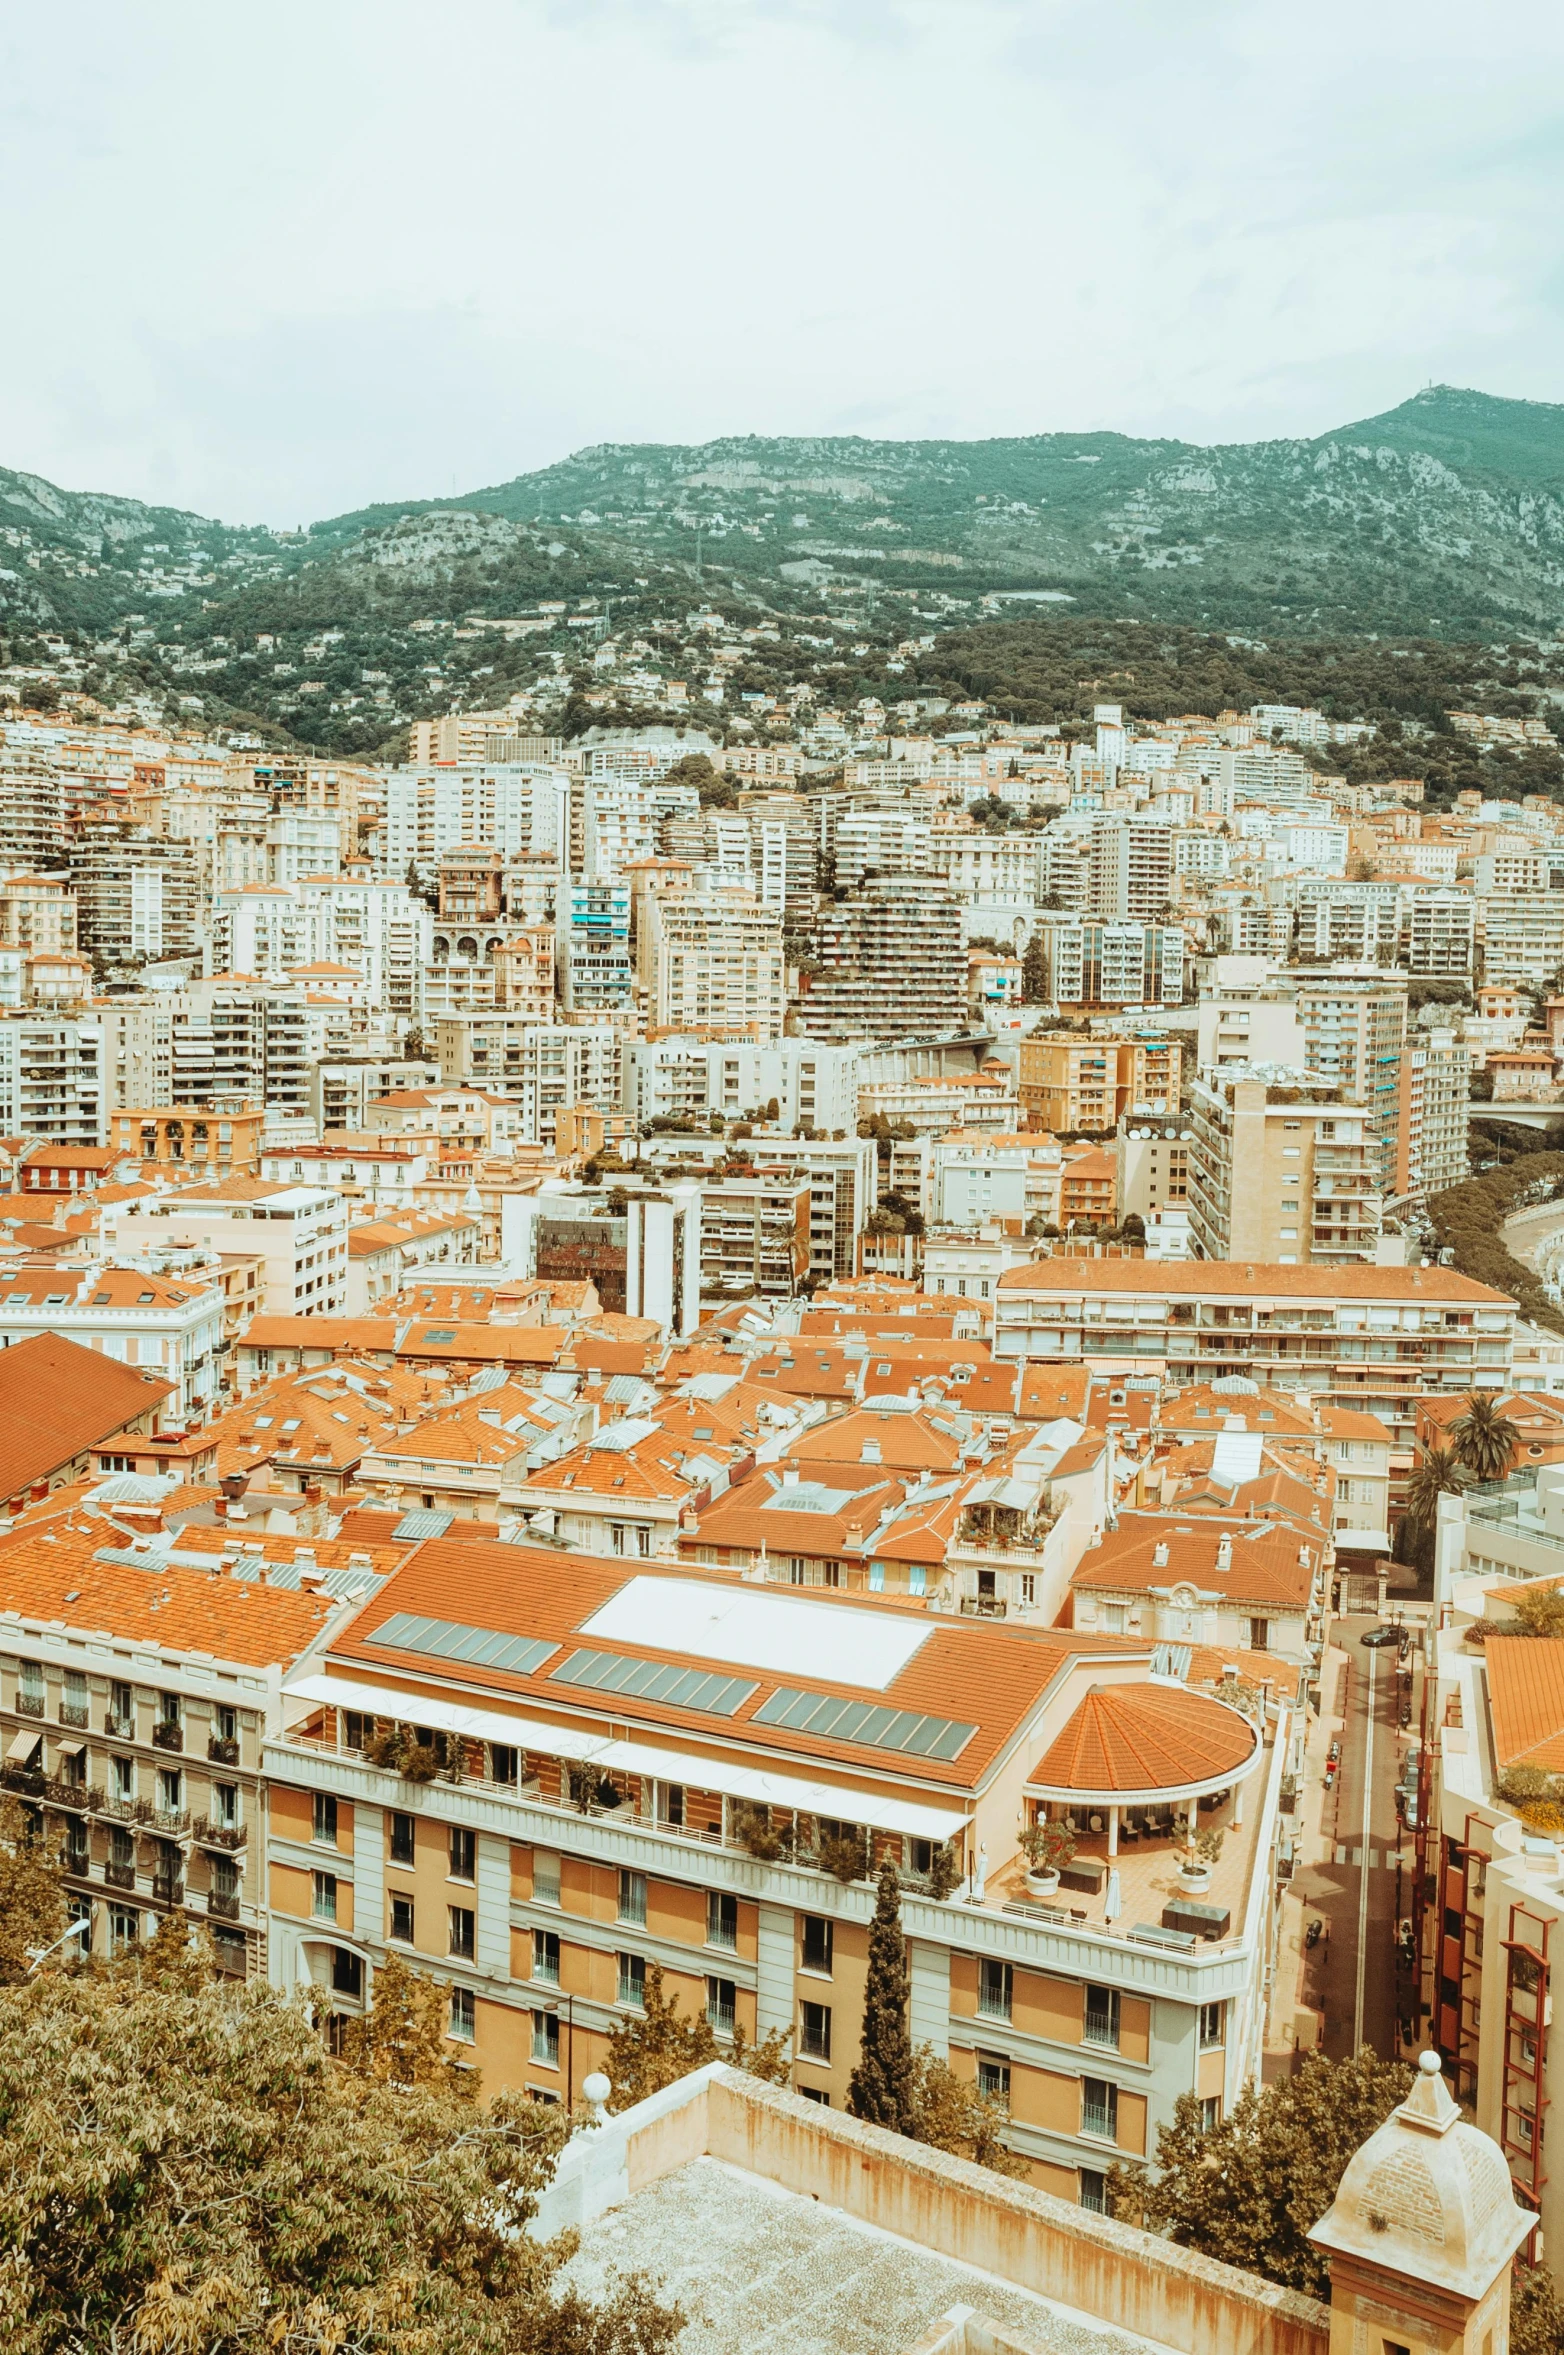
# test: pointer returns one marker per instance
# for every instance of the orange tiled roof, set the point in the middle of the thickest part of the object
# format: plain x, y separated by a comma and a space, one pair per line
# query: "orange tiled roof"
1134, 1741
1526, 1700
1265, 1568
58, 1399
182, 1610
1222, 1279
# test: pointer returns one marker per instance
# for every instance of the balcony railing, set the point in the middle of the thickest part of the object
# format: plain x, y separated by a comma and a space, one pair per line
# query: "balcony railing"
168, 1888
118, 1728
120, 1876
29, 1704
171, 1819
222, 1908
219, 1835
168, 1735
74, 1713
223, 1749
120, 1810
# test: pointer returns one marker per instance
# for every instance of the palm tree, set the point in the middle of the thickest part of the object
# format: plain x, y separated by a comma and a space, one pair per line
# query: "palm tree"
1485, 1440
1441, 1473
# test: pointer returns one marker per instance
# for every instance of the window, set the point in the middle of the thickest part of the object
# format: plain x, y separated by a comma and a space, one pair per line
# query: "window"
545, 1956
722, 1921
504, 1763
545, 2038
122, 1709
632, 1896
464, 1853
672, 1809
632, 1980
815, 2093
1102, 2016
1210, 2113
463, 1926
1259, 1635
325, 1825
347, 1973
1094, 2191
325, 1905
170, 1790
1028, 1589
814, 2037
721, 2005
993, 2077
1100, 2108
124, 1928
1213, 2026
995, 1981
401, 1839
545, 1876
819, 1944
464, 2015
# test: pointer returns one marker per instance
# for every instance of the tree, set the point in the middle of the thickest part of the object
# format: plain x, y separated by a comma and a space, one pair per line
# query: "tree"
1440, 1473
1485, 1440
664, 2044
1539, 1611
950, 2114
1034, 972
1248, 2190
1536, 2313
401, 2039
32, 1897
881, 2087
189, 2173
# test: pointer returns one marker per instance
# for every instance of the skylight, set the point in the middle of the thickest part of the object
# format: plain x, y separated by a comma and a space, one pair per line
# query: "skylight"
784, 1633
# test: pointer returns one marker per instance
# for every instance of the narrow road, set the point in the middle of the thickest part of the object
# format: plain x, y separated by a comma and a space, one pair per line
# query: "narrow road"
1359, 1890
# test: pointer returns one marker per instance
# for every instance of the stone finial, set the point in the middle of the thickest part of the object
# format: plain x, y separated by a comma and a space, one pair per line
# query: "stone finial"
595, 2091
1428, 2196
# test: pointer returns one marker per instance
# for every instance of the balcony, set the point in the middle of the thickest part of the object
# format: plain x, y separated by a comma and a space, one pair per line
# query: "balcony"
222, 1908
119, 1729
223, 1750
29, 1704
119, 1876
168, 1888
227, 1836
172, 1820
167, 1735
74, 1713
120, 1810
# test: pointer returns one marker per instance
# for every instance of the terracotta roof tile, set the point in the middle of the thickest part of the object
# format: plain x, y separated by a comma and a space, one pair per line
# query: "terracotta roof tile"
1135, 1740
1526, 1700
57, 1399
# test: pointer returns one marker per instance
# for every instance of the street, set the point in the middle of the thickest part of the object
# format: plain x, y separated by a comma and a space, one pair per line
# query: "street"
1360, 1887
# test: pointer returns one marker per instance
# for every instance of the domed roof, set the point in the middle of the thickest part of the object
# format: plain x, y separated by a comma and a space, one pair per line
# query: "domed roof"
1145, 1741
1428, 2196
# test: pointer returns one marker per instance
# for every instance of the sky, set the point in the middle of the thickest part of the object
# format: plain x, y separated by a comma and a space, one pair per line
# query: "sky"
275, 264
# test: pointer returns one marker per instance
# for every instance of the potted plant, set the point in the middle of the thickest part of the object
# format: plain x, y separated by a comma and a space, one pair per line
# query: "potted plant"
1048, 1847
1198, 1859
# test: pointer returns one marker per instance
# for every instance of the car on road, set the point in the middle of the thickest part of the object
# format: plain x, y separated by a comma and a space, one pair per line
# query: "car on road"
1375, 1639
1332, 1763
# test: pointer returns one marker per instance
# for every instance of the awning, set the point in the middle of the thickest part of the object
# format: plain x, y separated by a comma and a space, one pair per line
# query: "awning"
1360, 1541
23, 1745
73, 1750
883, 1810
483, 1725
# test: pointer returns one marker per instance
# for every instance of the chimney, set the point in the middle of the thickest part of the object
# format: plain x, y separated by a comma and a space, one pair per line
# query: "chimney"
1159, 1556
1224, 1553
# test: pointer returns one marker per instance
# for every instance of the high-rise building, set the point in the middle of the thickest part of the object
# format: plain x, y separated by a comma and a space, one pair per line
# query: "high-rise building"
32, 810
1070, 1080
1432, 1137
513, 806
1354, 1022
593, 928
1521, 934
1087, 962
889, 961
52, 1081
1131, 865
714, 964
1283, 1174
136, 896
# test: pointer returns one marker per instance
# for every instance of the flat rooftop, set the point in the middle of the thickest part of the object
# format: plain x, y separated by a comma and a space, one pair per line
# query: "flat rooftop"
761, 2270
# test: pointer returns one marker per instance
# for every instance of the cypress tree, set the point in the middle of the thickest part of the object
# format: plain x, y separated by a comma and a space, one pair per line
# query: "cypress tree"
881, 2087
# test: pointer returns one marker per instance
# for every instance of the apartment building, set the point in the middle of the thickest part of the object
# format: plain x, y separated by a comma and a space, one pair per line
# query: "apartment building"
1433, 1130
299, 1233
1088, 963
1069, 1081
138, 1681
1438, 939
1354, 1025
814, 1086
203, 1143
889, 961
1130, 867
1521, 937
53, 1080
544, 1068
596, 1803
32, 810
511, 806
843, 1175
713, 961
639, 1246
342, 1092
37, 912
1373, 1338
593, 952
1281, 1173
1151, 1169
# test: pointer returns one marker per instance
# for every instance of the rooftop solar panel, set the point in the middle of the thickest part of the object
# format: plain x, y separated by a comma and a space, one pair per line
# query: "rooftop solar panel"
448, 1639
867, 1722
657, 1680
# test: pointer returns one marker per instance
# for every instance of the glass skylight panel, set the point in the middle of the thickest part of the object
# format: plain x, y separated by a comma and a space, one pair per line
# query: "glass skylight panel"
657, 1680
866, 1722
448, 1639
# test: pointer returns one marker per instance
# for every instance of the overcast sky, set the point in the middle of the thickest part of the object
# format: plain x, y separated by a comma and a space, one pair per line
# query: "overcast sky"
272, 264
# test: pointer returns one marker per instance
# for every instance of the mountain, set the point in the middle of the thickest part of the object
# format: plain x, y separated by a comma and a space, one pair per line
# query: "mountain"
1443, 518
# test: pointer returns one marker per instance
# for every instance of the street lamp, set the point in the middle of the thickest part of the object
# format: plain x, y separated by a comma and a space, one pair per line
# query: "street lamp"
36, 1954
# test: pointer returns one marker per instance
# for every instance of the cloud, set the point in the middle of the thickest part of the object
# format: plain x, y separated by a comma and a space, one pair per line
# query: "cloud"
381, 249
